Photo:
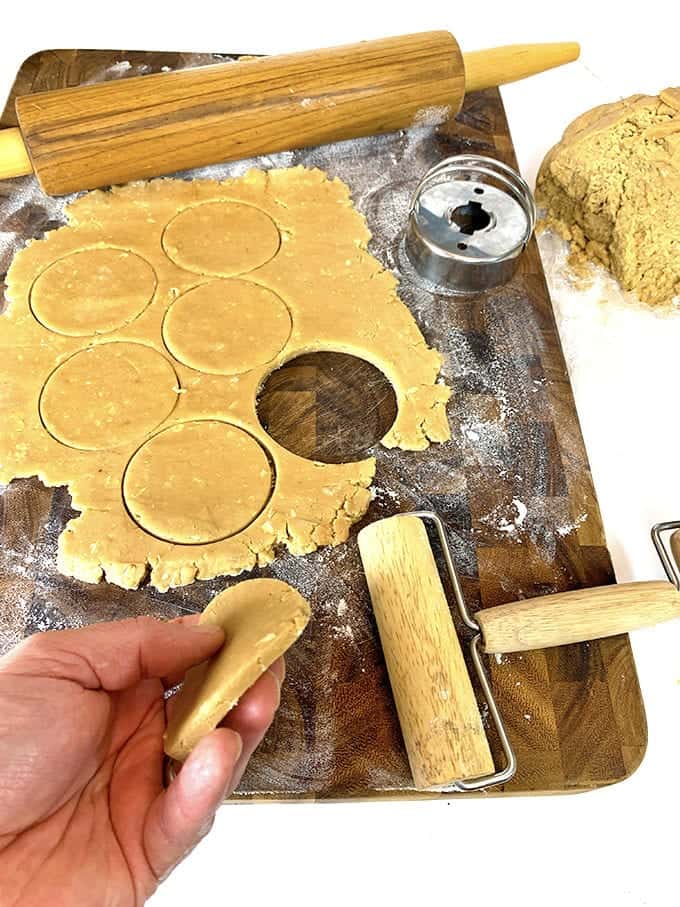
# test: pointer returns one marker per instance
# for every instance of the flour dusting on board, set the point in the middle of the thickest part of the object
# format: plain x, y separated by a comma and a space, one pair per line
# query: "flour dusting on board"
431, 116
618, 352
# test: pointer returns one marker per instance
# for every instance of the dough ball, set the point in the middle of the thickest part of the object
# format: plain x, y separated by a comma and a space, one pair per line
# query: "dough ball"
611, 187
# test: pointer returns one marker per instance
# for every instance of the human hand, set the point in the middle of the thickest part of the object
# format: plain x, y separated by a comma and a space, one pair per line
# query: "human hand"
84, 818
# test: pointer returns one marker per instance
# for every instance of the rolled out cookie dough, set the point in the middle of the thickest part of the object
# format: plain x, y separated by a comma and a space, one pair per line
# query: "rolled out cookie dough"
611, 187
226, 328
261, 618
106, 288
135, 343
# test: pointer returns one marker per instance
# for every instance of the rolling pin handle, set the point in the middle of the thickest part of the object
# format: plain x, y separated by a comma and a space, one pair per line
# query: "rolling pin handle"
577, 616
14, 159
590, 613
500, 65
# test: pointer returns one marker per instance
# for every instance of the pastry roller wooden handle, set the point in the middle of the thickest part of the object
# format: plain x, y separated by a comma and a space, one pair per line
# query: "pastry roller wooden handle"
112, 132
440, 721
577, 616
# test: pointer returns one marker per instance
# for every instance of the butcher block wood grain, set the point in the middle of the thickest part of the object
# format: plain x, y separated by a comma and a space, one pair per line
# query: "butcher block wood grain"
513, 487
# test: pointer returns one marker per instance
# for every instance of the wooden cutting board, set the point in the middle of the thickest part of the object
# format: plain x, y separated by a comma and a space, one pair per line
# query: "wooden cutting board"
513, 486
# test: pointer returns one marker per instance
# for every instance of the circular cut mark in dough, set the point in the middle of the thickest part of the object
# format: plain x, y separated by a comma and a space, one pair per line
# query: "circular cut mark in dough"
197, 482
93, 291
221, 239
226, 327
108, 395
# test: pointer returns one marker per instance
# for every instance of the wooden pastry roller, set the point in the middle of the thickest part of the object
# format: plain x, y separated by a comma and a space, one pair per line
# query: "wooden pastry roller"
443, 732
96, 135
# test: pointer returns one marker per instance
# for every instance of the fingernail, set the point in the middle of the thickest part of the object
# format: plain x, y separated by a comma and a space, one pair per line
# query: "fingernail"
278, 669
278, 686
231, 783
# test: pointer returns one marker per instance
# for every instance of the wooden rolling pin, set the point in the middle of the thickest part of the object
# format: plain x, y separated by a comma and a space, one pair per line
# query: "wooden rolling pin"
436, 704
435, 701
112, 132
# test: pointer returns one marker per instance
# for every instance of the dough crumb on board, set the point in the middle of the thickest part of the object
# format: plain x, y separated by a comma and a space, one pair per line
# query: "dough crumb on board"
135, 343
611, 187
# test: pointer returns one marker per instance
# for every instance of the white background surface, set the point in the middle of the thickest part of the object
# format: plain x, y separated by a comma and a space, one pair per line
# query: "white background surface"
612, 847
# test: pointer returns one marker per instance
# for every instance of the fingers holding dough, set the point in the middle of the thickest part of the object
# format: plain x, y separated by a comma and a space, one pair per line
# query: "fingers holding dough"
260, 618
252, 716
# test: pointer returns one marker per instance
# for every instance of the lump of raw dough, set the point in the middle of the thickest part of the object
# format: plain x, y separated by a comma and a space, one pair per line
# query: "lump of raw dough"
611, 187
261, 618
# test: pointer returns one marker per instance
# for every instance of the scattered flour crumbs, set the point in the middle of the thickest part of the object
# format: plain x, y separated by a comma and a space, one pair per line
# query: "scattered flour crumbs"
622, 358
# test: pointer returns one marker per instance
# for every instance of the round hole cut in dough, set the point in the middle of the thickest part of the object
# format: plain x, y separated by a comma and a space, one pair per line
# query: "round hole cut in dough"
92, 291
226, 327
197, 482
108, 395
261, 618
221, 239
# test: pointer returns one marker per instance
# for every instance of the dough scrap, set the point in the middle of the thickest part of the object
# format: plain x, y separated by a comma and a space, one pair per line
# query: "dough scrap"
320, 289
612, 189
261, 618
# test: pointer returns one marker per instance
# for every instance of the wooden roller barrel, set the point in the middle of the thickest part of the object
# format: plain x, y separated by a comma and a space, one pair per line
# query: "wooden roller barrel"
438, 713
113, 132
137, 128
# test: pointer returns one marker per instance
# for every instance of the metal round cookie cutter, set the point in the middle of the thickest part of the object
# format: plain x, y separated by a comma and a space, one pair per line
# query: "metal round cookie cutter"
470, 219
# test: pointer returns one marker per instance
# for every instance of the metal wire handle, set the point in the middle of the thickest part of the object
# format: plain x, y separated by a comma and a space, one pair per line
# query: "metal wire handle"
665, 554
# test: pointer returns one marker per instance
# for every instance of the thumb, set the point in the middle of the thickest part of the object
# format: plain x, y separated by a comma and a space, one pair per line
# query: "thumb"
183, 814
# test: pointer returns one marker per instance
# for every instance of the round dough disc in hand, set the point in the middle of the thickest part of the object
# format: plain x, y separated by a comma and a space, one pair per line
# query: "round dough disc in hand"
261, 618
